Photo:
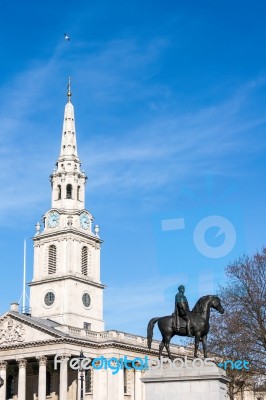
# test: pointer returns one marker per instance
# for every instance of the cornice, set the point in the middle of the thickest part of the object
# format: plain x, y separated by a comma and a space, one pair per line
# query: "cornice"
65, 232
87, 343
63, 338
72, 277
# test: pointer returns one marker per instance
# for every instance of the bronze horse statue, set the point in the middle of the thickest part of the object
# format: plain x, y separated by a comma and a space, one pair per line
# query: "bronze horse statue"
199, 317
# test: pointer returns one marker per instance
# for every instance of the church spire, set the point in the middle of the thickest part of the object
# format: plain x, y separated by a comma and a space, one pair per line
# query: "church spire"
67, 173
69, 143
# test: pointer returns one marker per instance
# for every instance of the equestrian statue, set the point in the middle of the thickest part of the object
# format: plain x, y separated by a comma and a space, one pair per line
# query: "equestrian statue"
183, 322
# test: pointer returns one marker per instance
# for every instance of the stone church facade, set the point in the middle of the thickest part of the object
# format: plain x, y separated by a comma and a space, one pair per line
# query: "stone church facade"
66, 299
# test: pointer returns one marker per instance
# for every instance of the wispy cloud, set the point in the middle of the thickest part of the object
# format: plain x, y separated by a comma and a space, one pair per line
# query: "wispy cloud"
149, 154
169, 148
22, 156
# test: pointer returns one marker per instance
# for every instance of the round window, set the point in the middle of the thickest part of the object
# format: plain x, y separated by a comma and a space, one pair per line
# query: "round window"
49, 298
86, 300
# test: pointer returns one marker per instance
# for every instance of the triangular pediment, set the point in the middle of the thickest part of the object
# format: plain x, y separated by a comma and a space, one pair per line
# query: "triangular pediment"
19, 329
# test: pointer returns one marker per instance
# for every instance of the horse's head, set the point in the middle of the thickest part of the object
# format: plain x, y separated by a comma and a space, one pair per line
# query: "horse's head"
216, 304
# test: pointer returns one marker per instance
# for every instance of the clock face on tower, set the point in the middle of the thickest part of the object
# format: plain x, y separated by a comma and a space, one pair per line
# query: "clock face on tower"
53, 219
84, 220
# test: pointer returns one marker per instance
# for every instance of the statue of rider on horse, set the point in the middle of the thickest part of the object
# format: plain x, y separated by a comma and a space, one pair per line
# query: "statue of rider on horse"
184, 322
182, 310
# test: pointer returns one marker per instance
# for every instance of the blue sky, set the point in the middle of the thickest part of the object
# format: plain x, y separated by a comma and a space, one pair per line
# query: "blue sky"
170, 104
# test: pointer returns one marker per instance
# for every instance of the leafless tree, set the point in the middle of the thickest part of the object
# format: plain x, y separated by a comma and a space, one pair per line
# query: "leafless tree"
241, 332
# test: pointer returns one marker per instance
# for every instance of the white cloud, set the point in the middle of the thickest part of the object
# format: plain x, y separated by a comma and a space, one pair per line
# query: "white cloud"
168, 148
159, 149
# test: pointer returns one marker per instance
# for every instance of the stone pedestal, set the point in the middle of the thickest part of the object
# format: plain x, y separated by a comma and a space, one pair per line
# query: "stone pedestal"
203, 383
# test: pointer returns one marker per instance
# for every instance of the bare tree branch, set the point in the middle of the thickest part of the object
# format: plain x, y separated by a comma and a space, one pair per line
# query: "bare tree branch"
241, 332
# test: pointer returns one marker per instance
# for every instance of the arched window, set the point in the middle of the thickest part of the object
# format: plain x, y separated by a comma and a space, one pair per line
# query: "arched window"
84, 260
69, 191
78, 192
88, 380
52, 258
59, 192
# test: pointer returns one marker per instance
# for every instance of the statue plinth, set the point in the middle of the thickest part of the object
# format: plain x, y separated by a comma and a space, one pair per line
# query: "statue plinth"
195, 383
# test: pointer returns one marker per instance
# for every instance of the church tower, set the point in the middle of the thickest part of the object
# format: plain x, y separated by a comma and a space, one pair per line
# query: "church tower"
66, 283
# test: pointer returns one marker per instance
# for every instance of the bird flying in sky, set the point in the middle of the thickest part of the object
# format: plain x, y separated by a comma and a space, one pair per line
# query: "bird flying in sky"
66, 37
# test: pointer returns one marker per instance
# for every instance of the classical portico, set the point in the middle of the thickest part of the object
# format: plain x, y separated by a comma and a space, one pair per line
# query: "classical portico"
35, 357
27, 379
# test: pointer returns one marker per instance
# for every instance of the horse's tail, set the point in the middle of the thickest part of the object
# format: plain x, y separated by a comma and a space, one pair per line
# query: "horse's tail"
150, 330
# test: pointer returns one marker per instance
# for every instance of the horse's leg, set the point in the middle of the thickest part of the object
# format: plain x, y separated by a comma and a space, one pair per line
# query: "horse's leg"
197, 340
167, 346
204, 342
162, 344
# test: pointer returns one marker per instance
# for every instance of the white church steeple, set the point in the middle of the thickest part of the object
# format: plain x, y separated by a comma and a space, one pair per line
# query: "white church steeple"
68, 182
66, 284
69, 143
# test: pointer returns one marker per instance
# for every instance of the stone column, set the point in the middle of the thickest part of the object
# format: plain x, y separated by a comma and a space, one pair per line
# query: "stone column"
42, 377
115, 384
63, 378
138, 385
120, 384
100, 384
3, 366
22, 363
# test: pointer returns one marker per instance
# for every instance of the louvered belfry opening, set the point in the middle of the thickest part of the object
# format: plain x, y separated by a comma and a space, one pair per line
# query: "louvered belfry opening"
52, 259
59, 192
84, 260
69, 191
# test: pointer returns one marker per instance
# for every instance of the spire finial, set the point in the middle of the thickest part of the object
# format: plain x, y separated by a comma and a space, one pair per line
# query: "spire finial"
69, 94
